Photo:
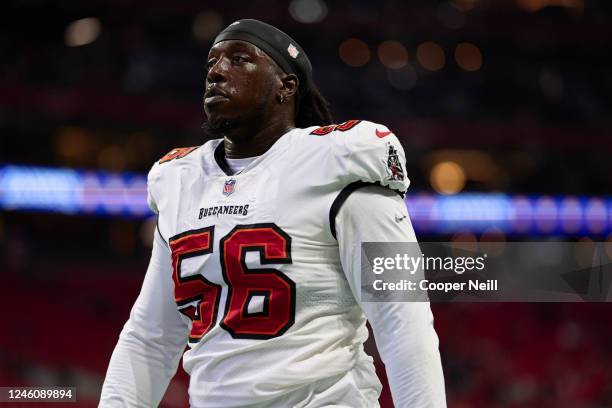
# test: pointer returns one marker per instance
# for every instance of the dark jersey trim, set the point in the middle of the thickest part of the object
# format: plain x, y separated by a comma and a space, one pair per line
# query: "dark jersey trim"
160, 234
343, 195
220, 159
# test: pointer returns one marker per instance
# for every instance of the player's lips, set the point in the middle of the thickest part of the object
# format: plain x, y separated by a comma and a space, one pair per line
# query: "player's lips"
214, 95
214, 99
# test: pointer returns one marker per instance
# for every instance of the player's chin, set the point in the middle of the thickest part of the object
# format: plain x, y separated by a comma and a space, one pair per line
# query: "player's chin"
219, 124
218, 115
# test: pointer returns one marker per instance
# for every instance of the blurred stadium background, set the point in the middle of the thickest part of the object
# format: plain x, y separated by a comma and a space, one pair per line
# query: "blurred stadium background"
503, 107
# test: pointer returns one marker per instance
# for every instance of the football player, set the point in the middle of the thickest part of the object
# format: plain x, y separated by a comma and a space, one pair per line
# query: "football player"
256, 258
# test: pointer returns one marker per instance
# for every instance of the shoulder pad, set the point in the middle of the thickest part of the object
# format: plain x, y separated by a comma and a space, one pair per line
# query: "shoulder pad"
375, 155
163, 175
342, 127
177, 153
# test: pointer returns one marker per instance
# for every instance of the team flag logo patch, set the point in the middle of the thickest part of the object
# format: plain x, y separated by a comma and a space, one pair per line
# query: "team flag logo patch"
293, 52
229, 186
396, 171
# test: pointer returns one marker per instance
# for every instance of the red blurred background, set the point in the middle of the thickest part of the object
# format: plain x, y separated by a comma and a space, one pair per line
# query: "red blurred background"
505, 96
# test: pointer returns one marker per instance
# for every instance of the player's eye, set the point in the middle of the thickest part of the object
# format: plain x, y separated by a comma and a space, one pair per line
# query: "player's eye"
211, 62
238, 59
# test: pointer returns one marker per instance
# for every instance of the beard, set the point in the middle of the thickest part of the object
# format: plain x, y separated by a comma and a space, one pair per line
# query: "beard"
235, 127
219, 127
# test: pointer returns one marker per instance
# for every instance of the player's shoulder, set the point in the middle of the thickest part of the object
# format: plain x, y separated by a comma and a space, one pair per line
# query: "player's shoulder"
358, 150
350, 131
177, 160
181, 159
349, 127
167, 172
177, 157
348, 137
177, 153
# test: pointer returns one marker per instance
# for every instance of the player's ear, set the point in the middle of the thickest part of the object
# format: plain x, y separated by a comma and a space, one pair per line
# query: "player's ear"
289, 86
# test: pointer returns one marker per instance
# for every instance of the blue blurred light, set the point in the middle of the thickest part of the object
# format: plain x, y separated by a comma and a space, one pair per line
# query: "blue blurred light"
519, 215
38, 188
125, 195
73, 192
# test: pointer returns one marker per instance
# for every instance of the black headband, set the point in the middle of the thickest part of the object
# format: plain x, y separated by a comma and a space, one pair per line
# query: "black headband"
285, 51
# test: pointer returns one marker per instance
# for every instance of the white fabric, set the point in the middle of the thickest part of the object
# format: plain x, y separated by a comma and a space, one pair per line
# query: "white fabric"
150, 346
237, 165
318, 360
404, 332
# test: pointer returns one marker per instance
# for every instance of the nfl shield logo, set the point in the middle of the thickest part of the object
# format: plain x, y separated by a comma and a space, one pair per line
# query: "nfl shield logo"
293, 51
228, 187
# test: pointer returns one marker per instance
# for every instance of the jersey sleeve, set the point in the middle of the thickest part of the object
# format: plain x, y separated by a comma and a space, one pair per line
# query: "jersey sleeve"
404, 331
152, 181
373, 154
151, 343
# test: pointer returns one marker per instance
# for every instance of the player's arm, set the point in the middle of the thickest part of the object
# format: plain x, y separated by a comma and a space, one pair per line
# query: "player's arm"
404, 332
152, 341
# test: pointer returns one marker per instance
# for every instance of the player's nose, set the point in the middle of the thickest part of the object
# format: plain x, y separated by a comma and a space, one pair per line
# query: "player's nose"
218, 72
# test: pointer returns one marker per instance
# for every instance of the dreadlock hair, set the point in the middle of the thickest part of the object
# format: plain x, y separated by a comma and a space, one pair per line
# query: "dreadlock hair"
311, 108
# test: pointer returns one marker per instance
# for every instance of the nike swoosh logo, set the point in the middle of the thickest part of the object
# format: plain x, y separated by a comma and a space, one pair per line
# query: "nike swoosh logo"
382, 134
398, 219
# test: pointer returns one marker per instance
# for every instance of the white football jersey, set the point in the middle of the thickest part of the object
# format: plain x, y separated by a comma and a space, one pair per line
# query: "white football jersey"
257, 278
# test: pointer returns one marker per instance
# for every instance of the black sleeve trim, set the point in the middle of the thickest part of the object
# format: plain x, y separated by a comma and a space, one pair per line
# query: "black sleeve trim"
160, 234
343, 195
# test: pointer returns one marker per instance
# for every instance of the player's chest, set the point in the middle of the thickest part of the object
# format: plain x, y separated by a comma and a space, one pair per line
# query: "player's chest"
224, 202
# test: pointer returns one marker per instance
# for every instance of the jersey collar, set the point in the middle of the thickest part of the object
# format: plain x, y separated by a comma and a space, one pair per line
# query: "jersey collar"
219, 154
220, 159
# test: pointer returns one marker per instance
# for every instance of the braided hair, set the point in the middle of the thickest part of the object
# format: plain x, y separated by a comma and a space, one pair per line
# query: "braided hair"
312, 109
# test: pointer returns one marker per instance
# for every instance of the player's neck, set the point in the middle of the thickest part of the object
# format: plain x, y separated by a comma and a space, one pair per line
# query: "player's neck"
242, 143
